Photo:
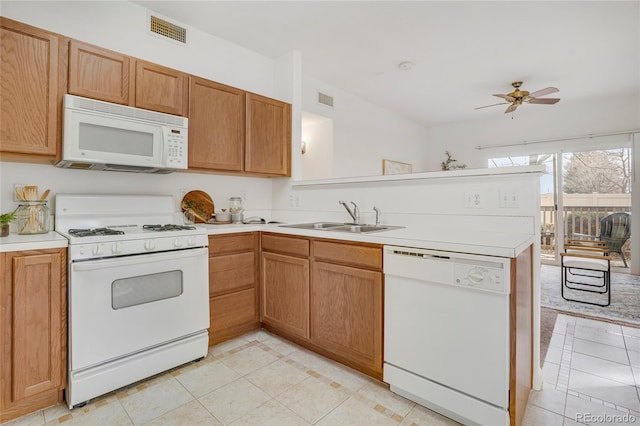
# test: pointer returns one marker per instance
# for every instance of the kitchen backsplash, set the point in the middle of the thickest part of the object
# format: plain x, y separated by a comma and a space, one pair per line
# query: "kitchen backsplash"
257, 191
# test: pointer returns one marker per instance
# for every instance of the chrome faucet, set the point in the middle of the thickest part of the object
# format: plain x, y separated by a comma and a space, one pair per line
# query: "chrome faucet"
378, 212
355, 213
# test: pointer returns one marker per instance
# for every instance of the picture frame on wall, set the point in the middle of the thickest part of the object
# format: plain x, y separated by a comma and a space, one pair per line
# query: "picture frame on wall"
390, 167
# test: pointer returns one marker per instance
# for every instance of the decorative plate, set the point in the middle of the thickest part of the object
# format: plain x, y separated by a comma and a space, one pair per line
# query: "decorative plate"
200, 204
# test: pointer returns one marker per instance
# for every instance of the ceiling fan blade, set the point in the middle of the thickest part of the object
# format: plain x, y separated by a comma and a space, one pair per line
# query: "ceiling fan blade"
547, 101
505, 97
487, 106
511, 108
543, 92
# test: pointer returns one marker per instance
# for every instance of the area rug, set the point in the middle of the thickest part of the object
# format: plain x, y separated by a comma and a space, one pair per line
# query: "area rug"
625, 298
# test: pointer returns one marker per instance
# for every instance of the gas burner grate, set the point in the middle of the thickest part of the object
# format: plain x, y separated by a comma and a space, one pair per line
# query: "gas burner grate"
168, 227
94, 232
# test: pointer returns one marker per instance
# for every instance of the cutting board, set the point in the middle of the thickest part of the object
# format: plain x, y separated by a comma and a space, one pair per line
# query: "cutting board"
200, 204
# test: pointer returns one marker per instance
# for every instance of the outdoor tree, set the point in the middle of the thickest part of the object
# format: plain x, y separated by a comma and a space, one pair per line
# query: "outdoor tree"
605, 172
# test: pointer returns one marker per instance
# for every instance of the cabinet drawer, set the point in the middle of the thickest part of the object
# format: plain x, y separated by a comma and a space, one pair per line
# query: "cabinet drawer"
231, 272
351, 254
289, 245
230, 243
233, 310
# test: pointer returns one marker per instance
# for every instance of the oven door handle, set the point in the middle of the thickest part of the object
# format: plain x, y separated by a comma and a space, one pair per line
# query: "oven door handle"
138, 259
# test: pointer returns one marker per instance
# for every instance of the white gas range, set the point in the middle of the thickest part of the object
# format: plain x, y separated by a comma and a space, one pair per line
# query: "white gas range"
138, 290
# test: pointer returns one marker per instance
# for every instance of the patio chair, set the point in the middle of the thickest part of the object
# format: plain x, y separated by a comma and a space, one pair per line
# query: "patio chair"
586, 267
615, 230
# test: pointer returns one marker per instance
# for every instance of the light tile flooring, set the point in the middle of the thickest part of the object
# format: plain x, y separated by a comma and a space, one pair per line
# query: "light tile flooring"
256, 379
591, 375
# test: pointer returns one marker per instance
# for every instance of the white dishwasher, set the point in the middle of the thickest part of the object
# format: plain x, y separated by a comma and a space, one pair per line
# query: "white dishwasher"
446, 332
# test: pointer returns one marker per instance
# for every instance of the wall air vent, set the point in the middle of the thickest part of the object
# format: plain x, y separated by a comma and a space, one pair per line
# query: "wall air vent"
167, 29
325, 99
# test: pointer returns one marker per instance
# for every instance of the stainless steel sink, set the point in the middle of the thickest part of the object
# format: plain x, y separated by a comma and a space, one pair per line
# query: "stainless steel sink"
314, 225
363, 228
343, 227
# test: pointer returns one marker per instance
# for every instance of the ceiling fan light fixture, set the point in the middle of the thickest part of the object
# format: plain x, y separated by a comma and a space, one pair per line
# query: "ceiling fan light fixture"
519, 97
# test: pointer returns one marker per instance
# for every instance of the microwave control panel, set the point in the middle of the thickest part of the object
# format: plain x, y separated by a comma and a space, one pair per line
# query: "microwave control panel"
176, 147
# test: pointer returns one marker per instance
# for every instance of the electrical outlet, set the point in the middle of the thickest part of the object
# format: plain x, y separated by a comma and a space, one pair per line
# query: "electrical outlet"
292, 200
243, 195
298, 200
472, 200
508, 199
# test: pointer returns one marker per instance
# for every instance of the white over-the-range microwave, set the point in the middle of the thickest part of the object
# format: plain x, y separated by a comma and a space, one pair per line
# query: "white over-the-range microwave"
101, 135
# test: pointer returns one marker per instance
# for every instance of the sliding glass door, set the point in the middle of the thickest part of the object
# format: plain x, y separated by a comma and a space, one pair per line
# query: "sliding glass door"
582, 188
596, 184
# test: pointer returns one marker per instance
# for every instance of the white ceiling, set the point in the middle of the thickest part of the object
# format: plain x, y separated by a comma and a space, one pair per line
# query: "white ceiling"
462, 51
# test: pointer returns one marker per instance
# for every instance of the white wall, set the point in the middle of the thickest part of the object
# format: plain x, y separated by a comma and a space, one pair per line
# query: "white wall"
364, 134
317, 134
64, 181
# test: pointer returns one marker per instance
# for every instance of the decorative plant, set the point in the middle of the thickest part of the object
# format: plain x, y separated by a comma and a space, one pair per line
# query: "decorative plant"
449, 163
6, 218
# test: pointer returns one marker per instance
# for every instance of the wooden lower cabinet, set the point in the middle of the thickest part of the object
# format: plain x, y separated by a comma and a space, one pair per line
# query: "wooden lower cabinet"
285, 293
233, 285
326, 295
32, 331
346, 313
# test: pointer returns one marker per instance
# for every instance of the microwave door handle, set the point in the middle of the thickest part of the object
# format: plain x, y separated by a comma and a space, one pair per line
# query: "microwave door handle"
90, 265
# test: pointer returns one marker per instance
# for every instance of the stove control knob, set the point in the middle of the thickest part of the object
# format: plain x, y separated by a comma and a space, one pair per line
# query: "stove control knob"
116, 248
178, 242
149, 245
191, 241
97, 250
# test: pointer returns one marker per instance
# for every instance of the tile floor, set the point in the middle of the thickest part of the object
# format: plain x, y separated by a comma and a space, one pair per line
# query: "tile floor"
591, 375
256, 379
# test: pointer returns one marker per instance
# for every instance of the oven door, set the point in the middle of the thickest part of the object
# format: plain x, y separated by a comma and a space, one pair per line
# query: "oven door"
120, 306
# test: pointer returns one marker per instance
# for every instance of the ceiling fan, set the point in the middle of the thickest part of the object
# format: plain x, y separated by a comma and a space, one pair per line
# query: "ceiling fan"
518, 97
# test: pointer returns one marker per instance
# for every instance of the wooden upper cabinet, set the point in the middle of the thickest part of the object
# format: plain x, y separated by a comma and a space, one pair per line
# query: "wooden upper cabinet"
161, 89
30, 95
216, 126
268, 136
99, 73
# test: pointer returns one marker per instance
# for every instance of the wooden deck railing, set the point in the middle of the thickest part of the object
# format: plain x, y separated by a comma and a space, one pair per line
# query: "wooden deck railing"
577, 220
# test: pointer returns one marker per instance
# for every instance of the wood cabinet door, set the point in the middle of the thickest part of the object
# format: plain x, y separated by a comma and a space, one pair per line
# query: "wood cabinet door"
161, 89
268, 136
285, 293
346, 313
216, 126
232, 311
29, 98
99, 73
33, 330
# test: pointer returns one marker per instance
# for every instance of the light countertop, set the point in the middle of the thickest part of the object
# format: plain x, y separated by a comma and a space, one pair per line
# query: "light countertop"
16, 242
473, 242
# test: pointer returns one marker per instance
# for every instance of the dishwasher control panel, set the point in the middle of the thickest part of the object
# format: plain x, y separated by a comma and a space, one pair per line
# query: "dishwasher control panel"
480, 276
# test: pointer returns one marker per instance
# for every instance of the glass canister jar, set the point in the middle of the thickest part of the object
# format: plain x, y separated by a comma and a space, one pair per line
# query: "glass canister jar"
32, 217
236, 209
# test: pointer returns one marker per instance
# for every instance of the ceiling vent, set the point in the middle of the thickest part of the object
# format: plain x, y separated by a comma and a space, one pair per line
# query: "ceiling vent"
325, 99
167, 29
